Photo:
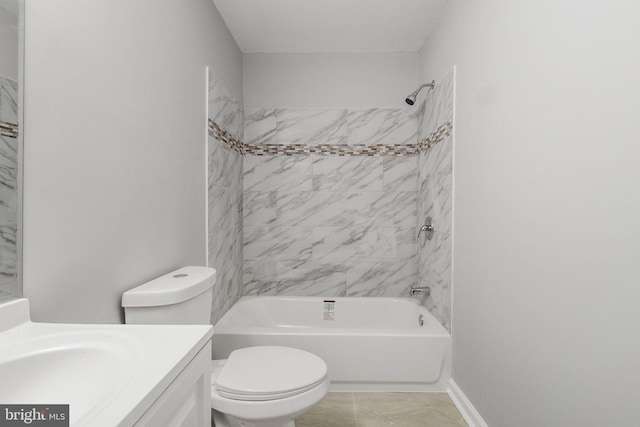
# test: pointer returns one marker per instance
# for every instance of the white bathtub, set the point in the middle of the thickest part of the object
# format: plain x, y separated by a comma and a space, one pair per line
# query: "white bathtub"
371, 344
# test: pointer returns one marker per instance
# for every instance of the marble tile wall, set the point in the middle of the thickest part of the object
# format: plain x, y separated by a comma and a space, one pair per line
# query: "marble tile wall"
225, 205
8, 188
337, 126
434, 196
328, 201
330, 225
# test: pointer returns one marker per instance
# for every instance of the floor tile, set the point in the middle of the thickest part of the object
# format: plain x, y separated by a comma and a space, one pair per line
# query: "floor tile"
406, 410
383, 410
335, 410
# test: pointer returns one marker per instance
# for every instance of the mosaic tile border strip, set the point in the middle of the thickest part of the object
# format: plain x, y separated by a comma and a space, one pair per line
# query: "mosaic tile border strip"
225, 137
8, 129
363, 150
441, 132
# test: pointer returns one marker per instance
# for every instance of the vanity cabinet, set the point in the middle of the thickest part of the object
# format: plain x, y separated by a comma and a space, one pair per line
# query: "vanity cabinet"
187, 400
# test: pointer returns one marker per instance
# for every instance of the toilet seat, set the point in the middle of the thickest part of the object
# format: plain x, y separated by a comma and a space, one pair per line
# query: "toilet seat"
269, 373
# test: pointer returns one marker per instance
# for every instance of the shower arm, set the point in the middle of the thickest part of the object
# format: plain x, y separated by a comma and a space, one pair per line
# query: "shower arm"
411, 99
431, 85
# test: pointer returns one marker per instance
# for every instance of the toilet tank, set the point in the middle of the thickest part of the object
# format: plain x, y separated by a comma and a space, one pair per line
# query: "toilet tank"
182, 297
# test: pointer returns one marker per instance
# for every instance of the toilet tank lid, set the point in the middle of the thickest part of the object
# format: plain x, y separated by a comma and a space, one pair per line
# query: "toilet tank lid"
172, 288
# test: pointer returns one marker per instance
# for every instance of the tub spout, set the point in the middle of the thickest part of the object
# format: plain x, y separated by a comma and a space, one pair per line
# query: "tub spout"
426, 290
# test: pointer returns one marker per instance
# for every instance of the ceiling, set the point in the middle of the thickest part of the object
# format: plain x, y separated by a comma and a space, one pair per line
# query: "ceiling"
313, 26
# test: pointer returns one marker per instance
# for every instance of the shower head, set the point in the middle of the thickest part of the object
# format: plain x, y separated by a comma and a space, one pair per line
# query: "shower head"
411, 99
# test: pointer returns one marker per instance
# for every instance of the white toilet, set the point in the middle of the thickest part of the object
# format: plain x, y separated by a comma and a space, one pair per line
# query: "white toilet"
265, 386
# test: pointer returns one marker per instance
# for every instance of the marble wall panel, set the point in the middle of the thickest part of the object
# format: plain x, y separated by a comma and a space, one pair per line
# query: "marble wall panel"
381, 279
225, 237
331, 173
294, 232
311, 126
9, 287
400, 173
389, 209
275, 173
224, 110
225, 200
437, 108
382, 126
8, 100
351, 244
366, 174
288, 126
260, 276
434, 199
434, 270
277, 242
311, 279
260, 126
312, 208
399, 244
260, 208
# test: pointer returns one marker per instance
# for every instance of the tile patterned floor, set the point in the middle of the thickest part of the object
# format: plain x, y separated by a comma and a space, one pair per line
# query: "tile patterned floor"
383, 410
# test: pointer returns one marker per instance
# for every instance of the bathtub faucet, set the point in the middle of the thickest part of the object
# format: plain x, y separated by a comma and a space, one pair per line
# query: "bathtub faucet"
426, 290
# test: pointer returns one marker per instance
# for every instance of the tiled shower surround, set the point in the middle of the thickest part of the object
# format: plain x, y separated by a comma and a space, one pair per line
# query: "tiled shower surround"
435, 185
8, 187
226, 124
330, 200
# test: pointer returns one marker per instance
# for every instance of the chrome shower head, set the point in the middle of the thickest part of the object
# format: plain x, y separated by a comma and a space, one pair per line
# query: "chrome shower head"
411, 99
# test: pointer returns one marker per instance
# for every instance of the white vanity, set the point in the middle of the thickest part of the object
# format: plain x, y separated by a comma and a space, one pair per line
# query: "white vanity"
110, 375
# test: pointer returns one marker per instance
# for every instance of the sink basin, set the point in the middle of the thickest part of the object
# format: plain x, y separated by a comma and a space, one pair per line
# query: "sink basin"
108, 374
80, 368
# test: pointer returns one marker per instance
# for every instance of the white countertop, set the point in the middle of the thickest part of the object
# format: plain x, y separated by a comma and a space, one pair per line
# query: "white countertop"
108, 374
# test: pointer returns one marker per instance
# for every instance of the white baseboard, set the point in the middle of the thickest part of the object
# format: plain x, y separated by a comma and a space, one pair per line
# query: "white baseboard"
469, 413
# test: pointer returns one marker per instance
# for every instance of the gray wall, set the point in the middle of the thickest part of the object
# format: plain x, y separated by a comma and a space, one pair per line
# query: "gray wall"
546, 208
115, 170
324, 80
9, 39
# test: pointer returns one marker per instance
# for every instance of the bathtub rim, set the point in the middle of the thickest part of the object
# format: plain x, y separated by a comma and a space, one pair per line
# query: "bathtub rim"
433, 327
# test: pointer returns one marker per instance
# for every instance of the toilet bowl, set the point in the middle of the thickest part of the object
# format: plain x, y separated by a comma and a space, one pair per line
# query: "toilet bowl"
264, 386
